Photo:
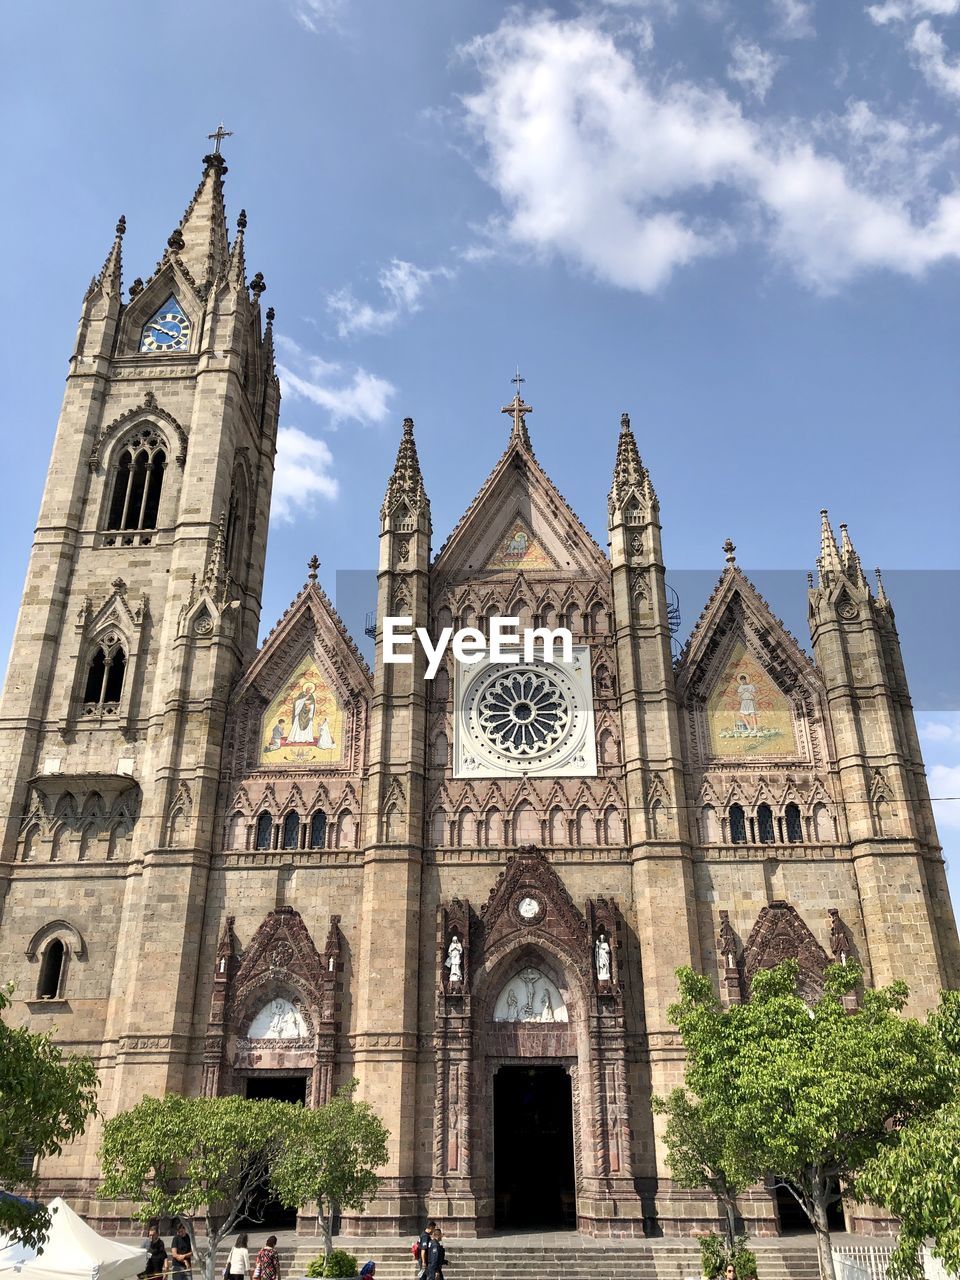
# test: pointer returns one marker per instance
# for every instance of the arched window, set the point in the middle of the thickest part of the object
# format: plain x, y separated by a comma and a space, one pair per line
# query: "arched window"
318, 829
51, 970
794, 825
291, 830
738, 825
822, 822
236, 523
235, 832
765, 824
264, 833
105, 674
30, 841
438, 828
137, 483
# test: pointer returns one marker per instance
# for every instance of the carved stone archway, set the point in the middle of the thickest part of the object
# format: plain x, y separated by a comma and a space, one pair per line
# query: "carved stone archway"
280, 963
529, 920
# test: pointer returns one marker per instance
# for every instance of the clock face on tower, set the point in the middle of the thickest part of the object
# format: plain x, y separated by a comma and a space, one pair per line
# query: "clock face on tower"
168, 330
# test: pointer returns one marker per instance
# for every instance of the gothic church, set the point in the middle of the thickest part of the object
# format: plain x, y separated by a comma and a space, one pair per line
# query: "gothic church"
266, 871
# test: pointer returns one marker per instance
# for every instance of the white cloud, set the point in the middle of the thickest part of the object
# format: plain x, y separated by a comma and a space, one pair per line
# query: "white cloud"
302, 473
317, 15
753, 67
356, 395
794, 19
905, 10
631, 178
403, 285
937, 731
930, 52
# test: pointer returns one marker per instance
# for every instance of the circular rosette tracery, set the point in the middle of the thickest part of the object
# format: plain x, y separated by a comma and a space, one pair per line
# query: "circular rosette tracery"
523, 713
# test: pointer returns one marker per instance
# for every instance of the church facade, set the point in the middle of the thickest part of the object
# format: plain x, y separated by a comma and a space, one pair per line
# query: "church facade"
231, 869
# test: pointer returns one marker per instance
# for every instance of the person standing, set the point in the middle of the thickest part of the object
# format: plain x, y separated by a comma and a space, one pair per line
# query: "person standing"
426, 1235
156, 1252
181, 1249
436, 1256
238, 1264
267, 1265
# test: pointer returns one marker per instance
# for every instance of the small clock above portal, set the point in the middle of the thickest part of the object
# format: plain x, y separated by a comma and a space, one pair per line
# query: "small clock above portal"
167, 330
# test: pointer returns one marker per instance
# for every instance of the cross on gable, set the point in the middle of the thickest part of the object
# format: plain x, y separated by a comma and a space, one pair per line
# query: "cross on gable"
217, 137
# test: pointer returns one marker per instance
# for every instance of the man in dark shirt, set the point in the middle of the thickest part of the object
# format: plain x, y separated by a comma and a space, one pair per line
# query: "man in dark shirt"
156, 1253
435, 1256
425, 1238
181, 1249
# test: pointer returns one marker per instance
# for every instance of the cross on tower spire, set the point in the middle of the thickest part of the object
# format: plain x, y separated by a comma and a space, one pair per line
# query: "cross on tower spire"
217, 137
517, 409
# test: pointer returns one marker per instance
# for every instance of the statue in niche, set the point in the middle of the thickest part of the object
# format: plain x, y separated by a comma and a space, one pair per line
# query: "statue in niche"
513, 1006
546, 1008
278, 1020
454, 960
602, 956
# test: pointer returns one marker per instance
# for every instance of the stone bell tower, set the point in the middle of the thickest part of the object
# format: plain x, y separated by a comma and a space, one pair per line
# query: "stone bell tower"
142, 600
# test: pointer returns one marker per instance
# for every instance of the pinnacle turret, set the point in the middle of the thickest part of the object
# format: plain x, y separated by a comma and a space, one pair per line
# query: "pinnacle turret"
216, 578
629, 473
406, 482
110, 280
829, 562
237, 270
851, 561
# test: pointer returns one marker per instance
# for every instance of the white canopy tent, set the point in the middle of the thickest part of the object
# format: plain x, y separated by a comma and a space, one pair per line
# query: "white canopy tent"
73, 1251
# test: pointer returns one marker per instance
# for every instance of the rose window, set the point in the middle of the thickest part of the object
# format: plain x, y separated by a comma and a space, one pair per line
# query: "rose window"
523, 713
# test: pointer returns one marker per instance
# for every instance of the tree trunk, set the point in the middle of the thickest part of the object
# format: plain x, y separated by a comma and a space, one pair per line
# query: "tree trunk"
326, 1224
821, 1227
731, 1223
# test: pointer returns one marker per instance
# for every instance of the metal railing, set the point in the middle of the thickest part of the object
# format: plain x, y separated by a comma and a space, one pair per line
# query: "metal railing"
862, 1261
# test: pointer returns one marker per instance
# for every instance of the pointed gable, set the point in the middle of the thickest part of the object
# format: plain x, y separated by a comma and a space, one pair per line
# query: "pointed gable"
302, 704
519, 520
750, 692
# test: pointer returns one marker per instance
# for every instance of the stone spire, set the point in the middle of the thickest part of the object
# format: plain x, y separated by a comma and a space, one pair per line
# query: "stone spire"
110, 279
215, 579
882, 598
406, 482
237, 270
829, 562
269, 358
629, 473
200, 240
851, 561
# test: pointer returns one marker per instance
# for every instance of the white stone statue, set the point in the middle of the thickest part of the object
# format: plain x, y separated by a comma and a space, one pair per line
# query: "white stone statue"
454, 960
602, 953
278, 1020
530, 996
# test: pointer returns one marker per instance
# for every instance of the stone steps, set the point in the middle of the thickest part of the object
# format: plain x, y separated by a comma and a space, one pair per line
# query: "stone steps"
470, 1260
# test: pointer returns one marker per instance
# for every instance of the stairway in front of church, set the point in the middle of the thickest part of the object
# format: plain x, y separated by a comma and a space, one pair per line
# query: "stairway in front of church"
508, 1257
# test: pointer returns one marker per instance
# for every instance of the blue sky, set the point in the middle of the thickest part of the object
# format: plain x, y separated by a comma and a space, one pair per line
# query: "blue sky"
737, 219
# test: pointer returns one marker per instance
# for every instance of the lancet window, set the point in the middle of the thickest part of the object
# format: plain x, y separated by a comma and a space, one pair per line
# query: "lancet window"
105, 674
137, 483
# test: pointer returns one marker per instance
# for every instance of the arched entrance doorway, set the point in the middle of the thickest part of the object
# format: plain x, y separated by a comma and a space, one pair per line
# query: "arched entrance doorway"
533, 1151
531, 1110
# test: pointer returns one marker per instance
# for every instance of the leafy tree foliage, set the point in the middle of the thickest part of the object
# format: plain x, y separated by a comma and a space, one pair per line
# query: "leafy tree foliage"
807, 1093
918, 1178
46, 1099
180, 1157
700, 1154
334, 1161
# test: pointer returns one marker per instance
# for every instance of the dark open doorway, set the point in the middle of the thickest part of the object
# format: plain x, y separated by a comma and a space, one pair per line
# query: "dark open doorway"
268, 1211
793, 1220
534, 1180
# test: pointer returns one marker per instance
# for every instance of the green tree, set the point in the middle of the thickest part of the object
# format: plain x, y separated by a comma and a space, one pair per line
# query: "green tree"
187, 1157
333, 1162
46, 1099
917, 1178
701, 1154
808, 1093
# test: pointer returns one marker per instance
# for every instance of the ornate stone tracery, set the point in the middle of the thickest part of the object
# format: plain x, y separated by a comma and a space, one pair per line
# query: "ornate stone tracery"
281, 972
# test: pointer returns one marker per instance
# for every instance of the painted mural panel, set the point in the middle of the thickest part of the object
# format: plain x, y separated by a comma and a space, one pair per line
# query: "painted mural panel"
747, 714
304, 722
519, 550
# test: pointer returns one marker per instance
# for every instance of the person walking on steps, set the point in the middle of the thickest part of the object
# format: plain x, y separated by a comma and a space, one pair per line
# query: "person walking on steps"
238, 1263
423, 1245
267, 1265
436, 1256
